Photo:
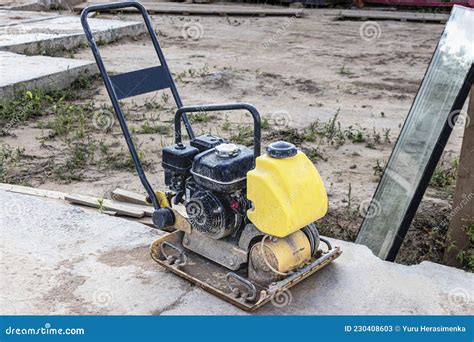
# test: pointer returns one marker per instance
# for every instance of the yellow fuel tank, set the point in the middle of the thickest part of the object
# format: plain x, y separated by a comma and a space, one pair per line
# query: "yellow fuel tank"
286, 191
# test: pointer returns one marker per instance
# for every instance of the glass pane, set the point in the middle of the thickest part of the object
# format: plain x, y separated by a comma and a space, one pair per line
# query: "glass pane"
430, 110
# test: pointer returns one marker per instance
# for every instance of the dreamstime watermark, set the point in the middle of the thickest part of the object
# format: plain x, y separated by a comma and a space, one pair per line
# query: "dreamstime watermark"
281, 118
458, 119
4, 130
103, 297
192, 31
466, 198
19, 29
370, 31
13, 210
47, 329
370, 208
459, 296
103, 120
278, 33
282, 298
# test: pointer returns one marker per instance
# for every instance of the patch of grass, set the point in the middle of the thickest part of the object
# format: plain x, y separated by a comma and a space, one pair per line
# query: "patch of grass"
192, 73
378, 168
226, 126
29, 104
356, 134
313, 154
25, 106
49, 49
201, 117
153, 104
112, 159
265, 125
153, 128
79, 154
445, 174
70, 118
329, 131
291, 135
386, 135
9, 159
165, 98
243, 135
332, 130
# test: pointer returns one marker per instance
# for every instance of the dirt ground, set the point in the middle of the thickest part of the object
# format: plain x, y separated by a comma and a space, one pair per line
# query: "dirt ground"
356, 80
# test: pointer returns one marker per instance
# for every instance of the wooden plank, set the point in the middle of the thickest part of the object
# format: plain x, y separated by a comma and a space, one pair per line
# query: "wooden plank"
119, 208
207, 9
147, 221
392, 15
32, 191
463, 202
123, 195
148, 211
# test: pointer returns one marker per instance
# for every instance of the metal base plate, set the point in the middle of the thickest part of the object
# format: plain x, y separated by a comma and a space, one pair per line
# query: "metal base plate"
213, 277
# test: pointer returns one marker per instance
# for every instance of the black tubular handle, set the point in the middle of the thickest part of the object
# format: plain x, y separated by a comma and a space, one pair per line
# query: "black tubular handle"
154, 39
110, 88
257, 134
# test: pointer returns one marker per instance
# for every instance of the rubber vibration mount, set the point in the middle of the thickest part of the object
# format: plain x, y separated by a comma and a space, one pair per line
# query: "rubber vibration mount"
163, 217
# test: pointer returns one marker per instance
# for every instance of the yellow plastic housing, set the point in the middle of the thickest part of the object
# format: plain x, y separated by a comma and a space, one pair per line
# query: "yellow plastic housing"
287, 194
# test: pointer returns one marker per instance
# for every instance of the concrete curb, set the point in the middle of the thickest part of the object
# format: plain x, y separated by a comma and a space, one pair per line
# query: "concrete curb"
43, 72
49, 35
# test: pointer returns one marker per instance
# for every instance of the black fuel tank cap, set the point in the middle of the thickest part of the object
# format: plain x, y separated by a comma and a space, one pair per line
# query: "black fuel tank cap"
281, 149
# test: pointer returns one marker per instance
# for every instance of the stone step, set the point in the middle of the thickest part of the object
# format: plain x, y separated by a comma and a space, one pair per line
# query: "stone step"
19, 72
34, 33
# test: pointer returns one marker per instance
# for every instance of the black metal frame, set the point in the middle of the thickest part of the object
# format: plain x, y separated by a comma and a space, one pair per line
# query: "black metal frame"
257, 135
147, 80
431, 166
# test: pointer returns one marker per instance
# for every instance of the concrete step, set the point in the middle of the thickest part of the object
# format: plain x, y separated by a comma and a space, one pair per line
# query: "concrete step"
18, 72
222, 9
24, 5
57, 259
39, 33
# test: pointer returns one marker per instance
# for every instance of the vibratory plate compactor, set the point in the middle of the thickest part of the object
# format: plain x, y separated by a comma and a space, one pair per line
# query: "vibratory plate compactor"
242, 222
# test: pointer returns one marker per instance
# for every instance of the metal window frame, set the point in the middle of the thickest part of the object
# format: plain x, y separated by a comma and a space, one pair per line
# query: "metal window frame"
430, 166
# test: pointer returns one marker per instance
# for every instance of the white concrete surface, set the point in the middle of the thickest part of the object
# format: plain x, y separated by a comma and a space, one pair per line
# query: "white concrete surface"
33, 33
26, 5
57, 259
43, 35
8, 18
19, 72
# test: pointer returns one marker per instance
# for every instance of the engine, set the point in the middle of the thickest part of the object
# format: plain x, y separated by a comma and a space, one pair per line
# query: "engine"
209, 178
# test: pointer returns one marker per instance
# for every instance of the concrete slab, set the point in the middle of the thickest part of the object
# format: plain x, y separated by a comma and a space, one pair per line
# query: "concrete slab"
9, 18
25, 5
39, 72
57, 259
58, 33
221, 9
38, 5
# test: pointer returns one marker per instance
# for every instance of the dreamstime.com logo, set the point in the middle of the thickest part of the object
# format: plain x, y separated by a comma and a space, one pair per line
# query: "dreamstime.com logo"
192, 31
46, 330
370, 31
